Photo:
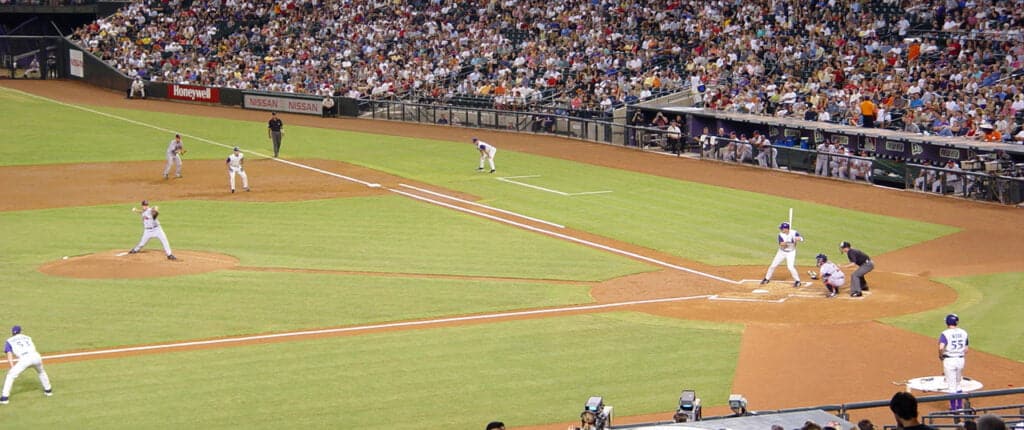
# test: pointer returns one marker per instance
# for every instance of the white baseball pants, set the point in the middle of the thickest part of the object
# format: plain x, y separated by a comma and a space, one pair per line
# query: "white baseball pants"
172, 160
23, 363
154, 233
489, 156
953, 368
790, 257
240, 172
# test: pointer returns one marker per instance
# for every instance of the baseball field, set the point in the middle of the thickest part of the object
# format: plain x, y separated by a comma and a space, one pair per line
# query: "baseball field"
373, 278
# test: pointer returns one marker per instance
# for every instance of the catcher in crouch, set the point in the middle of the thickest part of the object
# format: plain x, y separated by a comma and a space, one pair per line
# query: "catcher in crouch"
831, 275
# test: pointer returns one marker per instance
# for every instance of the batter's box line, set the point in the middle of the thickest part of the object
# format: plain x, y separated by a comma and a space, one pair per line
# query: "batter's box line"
509, 179
716, 297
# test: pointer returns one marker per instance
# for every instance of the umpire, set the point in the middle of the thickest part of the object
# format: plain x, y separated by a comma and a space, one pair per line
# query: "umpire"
864, 265
274, 131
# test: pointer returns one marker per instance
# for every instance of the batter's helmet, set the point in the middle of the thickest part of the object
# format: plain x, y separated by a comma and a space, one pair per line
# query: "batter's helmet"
16, 329
821, 258
952, 319
783, 226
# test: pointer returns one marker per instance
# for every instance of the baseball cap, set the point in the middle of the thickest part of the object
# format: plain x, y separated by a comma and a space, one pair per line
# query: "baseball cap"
145, 202
844, 244
16, 329
474, 139
236, 149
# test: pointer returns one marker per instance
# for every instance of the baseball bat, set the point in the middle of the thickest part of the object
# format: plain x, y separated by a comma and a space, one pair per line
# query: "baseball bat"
790, 217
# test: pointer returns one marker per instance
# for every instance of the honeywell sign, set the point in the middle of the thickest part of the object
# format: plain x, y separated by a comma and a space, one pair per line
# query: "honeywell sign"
193, 93
282, 104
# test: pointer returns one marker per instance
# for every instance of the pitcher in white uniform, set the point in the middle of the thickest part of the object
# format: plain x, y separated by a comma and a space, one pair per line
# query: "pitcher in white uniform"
235, 167
487, 152
787, 251
151, 229
952, 350
174, 151
22, 347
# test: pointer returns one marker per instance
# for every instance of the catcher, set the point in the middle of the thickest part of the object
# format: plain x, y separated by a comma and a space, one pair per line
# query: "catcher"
174, 151
831, 275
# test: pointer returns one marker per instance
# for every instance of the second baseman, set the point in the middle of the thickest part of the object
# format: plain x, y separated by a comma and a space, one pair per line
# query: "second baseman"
487, 152
787, 240
234, 162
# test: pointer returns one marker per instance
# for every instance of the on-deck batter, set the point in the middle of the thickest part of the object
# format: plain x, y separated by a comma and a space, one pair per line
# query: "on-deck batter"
151, 229
787, 251
952, 350
234, 162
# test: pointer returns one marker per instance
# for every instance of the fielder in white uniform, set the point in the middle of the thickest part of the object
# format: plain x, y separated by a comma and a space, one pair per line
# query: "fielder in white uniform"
235, 167
952, 350
787, 251
21, 346
831, 275
487, 152
174, 151
151, 229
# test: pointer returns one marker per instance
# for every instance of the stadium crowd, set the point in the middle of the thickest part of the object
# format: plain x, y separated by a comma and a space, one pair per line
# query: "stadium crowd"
940, 67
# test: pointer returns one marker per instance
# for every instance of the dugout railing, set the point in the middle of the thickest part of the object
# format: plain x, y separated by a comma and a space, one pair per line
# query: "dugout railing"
971, 185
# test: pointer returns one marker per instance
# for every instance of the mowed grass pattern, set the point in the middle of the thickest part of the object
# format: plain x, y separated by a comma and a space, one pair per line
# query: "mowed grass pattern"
526, 372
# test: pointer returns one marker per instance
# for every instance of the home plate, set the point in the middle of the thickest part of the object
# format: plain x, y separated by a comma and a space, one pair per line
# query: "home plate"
760, 291
122, 254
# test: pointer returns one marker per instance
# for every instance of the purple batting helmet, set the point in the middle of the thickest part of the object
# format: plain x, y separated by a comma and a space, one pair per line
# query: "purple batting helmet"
952, 319
783, 226
16, 329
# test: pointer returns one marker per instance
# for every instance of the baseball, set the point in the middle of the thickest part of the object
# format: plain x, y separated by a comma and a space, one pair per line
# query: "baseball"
64, 257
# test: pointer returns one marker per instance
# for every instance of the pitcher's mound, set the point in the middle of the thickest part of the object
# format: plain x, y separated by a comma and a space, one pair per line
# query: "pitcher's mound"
120, 264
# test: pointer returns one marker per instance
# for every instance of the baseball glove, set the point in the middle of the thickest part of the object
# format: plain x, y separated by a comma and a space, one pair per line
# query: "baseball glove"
813, 274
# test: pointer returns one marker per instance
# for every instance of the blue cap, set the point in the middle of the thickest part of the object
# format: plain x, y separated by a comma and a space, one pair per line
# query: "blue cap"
784, 225
16, 329
475, 139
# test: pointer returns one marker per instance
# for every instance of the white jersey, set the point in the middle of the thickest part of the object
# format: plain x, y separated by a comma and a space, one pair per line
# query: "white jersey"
486, 147
20, 345
955, 340
149, 219
174, 147
830, 272
788, 240
235, 160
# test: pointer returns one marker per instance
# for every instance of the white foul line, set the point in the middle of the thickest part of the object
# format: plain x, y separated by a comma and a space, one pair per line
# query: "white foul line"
567, 237
156, 127
372, 327
536, 187
445, 196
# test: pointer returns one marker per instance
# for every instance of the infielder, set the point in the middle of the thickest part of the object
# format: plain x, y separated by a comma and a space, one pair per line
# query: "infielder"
952, 349
21, 346
831, 275
174, 151
234, 162
787, 250
487, 152
151, 229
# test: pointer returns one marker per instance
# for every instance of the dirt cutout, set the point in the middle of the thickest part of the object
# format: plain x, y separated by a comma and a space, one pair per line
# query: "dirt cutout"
798, 348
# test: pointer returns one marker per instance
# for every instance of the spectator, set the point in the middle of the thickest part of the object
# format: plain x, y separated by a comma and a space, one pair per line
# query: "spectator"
991, 422
990, 134
674, 136
904, 408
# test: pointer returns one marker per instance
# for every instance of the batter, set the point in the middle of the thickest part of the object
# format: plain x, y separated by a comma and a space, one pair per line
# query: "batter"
787, 251
151, 229
234, 162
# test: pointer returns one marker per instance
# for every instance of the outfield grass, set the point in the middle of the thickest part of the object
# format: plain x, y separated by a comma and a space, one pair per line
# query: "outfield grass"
709, 224
522, 372
989, 307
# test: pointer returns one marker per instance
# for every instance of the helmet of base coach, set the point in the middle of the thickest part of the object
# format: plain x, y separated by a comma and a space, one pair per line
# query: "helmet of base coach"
952, 319
783, 225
